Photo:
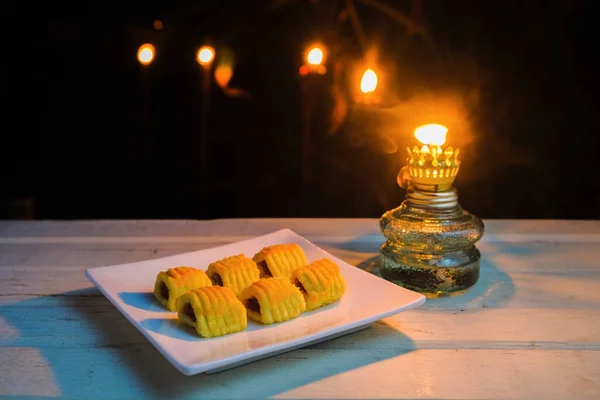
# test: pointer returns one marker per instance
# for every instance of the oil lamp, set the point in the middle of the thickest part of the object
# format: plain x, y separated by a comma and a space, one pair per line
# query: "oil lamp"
430, 245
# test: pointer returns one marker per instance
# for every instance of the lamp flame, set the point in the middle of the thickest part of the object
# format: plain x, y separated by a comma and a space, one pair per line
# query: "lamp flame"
368, 83
431, 134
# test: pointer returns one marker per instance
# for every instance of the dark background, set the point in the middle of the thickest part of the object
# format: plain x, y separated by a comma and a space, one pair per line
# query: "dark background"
88, 133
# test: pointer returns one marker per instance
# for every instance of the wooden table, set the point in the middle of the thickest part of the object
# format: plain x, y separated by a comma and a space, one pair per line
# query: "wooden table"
529, 329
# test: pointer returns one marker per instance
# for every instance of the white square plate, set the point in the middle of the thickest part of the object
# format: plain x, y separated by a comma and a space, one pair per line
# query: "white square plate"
129, 287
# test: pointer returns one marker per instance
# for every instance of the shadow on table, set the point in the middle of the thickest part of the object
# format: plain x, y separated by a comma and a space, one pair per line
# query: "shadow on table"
92, 351
170, 327
493, 289
142, 300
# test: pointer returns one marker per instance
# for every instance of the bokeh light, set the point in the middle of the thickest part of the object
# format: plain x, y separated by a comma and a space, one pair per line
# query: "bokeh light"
206, 55
368, 83
146, 53
315, 56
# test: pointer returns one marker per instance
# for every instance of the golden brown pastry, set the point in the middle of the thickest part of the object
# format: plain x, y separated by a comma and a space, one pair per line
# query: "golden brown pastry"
320, 282
271, 300
236, 272
279, 260
174, 282
213, 311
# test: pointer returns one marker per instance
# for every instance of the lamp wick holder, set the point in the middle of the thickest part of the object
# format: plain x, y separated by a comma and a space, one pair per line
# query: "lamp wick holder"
430, 246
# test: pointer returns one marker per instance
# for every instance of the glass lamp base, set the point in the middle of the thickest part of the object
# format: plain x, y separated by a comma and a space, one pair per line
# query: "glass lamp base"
430, 245
430, 274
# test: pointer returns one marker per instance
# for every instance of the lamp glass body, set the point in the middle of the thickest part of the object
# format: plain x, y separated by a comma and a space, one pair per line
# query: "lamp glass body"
430, 245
